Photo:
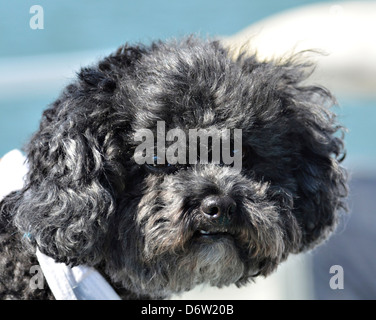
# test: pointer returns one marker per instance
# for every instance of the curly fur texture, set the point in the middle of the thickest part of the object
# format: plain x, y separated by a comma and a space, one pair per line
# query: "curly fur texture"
87, 202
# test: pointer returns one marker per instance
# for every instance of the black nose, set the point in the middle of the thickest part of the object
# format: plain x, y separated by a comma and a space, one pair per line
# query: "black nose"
217, 207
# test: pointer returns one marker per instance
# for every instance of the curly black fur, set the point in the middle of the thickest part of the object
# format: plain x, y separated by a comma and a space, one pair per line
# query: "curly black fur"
86, 201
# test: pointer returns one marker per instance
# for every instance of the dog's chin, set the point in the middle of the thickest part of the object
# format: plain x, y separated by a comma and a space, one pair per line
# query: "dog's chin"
208, 259
214, 259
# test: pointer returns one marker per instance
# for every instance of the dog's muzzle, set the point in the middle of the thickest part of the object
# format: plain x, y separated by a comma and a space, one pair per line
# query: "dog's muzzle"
218, 213
219, 209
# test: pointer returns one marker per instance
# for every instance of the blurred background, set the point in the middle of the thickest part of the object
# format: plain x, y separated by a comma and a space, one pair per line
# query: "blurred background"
35, 64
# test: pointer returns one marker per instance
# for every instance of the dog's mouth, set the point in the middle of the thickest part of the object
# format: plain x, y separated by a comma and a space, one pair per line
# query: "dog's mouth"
212, 233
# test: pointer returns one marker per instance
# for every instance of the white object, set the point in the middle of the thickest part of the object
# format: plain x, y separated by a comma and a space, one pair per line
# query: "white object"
66, 283
12, 171
343, 30
77, 283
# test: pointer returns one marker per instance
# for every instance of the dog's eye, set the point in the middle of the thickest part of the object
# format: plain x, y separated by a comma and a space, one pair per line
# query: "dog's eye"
155, 163
236, 151
245, 152
248, 154
156, 167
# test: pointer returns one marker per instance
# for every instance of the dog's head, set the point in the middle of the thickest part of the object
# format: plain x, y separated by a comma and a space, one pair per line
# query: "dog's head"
161, 228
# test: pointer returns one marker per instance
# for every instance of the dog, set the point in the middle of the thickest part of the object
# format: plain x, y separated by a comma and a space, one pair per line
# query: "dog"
157, 228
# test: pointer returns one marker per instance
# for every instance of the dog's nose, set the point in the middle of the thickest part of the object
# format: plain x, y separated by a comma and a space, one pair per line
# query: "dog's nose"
217, 207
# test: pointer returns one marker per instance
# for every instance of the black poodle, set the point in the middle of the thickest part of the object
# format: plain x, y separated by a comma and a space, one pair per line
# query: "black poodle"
158, 228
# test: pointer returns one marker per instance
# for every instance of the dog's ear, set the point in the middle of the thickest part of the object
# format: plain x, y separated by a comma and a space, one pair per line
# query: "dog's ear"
77, 165
109, 73
317, 149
